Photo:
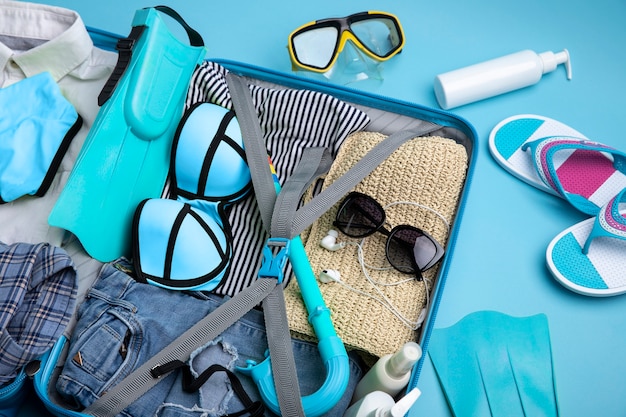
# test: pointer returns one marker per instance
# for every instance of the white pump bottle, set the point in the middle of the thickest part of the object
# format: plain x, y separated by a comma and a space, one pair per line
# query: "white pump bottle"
390, 374
496, 76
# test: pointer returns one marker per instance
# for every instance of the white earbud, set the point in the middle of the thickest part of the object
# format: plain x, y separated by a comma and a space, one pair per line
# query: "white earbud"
329, 275
330, 241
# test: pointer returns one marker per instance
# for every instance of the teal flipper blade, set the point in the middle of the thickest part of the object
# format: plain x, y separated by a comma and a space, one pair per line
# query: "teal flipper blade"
458, 371
534, 374
126, 155
108, 181
499, 383
492, 364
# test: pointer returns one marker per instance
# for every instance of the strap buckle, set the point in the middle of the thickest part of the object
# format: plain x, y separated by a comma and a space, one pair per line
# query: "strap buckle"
125, 44
275, 254
125, 47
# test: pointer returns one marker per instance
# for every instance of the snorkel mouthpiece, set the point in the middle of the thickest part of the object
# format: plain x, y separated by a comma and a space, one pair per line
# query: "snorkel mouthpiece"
332, 352
330, 347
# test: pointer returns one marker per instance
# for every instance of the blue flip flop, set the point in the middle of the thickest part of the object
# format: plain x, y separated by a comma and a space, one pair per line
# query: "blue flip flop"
559, 160
590, 257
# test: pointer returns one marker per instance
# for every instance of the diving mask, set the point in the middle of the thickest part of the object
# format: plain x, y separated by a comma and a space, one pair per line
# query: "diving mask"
315, 46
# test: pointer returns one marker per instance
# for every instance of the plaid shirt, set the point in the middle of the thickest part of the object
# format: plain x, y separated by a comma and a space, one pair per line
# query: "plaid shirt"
37, 299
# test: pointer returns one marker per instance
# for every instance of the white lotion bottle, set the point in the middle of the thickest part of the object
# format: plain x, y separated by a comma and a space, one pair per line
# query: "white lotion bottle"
496, 76
381, 404
390, 374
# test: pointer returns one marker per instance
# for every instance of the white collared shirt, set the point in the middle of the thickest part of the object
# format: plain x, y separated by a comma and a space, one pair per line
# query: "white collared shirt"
36, 38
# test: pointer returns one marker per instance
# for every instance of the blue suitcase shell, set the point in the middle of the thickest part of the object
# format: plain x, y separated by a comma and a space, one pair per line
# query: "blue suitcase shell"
380, 107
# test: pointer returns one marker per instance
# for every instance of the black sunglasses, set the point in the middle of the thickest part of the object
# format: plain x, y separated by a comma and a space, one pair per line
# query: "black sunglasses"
409, 249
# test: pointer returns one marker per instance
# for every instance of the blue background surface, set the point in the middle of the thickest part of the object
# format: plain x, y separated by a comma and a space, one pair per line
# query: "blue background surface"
499, 261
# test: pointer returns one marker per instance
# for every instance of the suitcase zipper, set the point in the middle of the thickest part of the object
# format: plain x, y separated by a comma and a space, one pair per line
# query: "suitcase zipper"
13, 387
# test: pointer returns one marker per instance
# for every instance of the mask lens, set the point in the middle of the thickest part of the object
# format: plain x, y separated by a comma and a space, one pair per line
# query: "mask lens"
380, 35
315, 47
359, 216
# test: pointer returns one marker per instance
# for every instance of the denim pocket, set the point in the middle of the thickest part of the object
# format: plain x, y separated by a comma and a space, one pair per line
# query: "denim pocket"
103, 354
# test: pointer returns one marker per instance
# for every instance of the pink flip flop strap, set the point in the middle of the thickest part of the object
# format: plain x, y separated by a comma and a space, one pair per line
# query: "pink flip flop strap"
609, 222
610, 217
568, 175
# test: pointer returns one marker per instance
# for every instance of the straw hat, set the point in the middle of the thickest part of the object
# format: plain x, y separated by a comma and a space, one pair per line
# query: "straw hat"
429, 171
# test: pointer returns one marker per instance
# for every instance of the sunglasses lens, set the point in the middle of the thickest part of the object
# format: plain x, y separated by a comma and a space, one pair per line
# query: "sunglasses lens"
409, 246
359, 216
380, 35
315, 47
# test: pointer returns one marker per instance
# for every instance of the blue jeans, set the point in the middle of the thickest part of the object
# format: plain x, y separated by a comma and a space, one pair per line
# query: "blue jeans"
122, 323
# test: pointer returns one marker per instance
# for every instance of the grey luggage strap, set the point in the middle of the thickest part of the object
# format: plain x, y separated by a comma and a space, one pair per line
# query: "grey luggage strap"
274, 310
315, 161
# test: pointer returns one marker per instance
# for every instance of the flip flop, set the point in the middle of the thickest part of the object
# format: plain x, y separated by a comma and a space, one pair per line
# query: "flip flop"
590, 257
555, 158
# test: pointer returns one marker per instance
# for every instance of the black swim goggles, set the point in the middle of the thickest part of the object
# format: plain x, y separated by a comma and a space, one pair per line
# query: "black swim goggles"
409, 249
316, 45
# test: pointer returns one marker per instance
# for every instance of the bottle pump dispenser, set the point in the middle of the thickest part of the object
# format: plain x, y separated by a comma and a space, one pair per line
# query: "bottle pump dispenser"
496, 76
381, 404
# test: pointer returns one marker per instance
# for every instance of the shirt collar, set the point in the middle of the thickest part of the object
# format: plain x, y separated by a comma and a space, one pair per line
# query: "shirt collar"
66, 41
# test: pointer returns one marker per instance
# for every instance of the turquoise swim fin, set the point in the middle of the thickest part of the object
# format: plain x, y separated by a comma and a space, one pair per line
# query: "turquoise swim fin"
534, 373
457, 368
492, 364
126, 155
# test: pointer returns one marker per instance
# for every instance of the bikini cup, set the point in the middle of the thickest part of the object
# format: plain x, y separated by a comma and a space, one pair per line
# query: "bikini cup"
185, 242
208, 160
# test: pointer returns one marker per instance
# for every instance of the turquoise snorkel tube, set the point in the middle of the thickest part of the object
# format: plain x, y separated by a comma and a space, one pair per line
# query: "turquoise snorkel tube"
331, 348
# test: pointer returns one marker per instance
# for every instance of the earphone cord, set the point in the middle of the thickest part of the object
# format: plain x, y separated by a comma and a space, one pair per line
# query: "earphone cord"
414, 325
383, 300
435, 212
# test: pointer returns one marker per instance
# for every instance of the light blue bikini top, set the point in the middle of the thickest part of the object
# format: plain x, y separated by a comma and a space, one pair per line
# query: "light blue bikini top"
185, 242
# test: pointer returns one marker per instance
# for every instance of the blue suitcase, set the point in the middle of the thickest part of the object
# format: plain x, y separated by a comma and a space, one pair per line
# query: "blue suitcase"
386, 115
